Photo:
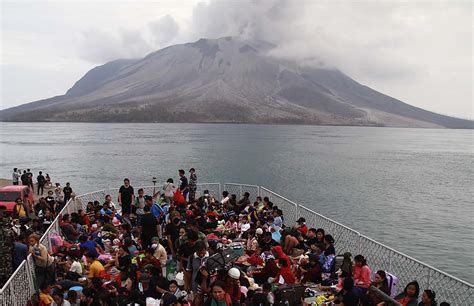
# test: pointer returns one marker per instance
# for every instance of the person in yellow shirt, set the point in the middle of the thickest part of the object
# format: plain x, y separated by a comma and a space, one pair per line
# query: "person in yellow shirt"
19, 209
45, 294
95, 267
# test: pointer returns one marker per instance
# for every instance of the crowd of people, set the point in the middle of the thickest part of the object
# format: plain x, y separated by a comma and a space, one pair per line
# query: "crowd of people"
153, 249
25, 178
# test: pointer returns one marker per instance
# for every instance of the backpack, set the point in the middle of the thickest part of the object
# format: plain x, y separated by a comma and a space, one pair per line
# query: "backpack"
221, 260
392, 284
178, 198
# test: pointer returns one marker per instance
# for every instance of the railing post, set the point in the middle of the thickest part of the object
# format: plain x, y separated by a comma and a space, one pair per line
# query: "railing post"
428, 279
389, 265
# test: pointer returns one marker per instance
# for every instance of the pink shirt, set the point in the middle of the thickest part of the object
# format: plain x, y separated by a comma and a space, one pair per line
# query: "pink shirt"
361, 276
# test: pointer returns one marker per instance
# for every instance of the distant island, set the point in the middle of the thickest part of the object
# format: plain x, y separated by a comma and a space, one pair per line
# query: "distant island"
226, 80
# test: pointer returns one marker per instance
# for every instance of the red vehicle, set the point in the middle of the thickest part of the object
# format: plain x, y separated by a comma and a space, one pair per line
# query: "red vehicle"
9, 194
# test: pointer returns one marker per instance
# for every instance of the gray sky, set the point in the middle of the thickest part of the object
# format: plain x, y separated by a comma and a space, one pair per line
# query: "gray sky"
417, 51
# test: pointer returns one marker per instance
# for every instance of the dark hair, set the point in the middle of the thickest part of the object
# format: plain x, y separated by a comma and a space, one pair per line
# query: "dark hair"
90, 255
431, 295
320, 230
417, 287
267, 286
329, 238
246, 194
141, 189
200, 246
282, 261
181, 171
173, 281
383, 275
170, 180
146, 208
44, 286
72, 295
125, 249
225, 193
58, 293
219, 283
361, 259
126, 180
193, 236
444, 304
348, 284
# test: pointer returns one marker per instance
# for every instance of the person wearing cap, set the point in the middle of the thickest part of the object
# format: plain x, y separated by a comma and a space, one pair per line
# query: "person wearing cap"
233, 283
192, 184
301, 226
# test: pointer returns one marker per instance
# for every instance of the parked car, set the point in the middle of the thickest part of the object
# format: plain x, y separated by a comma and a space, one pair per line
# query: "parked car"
9, 194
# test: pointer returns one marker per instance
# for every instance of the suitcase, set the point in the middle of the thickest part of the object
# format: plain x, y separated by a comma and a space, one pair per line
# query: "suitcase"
222, 260
289, 295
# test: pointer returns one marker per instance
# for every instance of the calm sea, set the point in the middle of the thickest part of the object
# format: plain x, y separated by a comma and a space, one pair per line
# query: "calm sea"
411, 189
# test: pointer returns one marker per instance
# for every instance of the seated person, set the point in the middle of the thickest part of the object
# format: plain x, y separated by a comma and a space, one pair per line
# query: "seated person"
380, 283
311, 270
348, 296
409, 296
285, 274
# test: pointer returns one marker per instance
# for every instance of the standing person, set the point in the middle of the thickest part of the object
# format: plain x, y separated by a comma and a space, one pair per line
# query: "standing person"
41, 181
126, 197
183, 183
44, 263
149, 228
168, 189
30, 180
67, 192
20, 251
48, 181
24, 178
15, 176
139, 205
192, 184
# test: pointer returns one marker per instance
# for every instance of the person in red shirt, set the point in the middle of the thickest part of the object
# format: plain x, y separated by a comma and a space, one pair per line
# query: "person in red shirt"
302, 226
278, 253
285, 273
361, 274
149, 259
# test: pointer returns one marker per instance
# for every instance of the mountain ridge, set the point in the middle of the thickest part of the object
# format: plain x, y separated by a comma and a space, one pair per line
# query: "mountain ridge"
224, 80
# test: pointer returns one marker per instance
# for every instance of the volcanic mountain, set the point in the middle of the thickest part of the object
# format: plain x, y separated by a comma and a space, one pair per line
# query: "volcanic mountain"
224, 80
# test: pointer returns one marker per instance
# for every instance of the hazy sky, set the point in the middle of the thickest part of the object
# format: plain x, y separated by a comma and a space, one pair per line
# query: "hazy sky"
417, 51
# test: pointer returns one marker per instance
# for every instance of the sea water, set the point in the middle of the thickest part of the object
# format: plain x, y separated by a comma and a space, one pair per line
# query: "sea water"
411, 189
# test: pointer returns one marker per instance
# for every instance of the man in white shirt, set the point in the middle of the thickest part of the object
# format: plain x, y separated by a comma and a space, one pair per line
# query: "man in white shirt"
15, 176
225, 197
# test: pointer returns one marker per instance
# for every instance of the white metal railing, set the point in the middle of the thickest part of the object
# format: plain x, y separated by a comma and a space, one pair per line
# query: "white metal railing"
21, 285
